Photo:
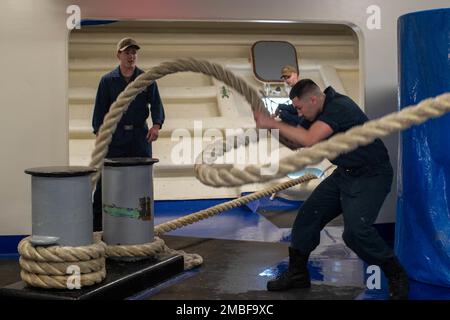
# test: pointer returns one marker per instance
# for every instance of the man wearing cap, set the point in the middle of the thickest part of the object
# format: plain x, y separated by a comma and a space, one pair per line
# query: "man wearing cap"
287, 112
132, 137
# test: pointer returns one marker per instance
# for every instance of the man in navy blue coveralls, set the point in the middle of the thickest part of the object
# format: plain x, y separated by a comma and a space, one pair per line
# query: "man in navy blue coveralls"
356, 189
132, 137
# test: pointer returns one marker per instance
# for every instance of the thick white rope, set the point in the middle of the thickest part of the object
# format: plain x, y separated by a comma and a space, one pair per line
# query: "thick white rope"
61, 253
206, 213
120, 106
38, 262
329, 149
191, 260
218, 177
47, 267
155, 249
61, 282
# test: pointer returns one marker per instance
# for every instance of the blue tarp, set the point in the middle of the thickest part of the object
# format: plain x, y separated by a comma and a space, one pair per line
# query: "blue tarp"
423, 215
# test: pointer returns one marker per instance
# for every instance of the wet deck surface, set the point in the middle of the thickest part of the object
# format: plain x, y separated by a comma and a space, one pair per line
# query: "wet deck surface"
245, 247
235, 269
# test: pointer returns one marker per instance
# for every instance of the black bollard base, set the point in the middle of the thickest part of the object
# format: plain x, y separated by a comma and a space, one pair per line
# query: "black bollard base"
123, 280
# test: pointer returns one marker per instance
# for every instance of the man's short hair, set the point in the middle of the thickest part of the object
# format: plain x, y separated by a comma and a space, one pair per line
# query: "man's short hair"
303, 87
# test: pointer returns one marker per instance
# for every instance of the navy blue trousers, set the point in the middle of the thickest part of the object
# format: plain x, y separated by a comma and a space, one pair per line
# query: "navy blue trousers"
356, 194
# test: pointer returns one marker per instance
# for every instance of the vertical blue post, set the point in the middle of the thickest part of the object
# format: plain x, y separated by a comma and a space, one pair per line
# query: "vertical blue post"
423, 215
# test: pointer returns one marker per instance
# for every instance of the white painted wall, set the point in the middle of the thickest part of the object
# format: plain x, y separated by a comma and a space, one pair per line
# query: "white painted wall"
33, 98
33, 121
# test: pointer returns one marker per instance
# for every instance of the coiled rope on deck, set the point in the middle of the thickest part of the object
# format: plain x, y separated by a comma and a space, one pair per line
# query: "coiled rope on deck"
47, 267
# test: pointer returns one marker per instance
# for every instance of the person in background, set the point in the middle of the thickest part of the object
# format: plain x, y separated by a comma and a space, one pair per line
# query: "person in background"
287, 112
132, 137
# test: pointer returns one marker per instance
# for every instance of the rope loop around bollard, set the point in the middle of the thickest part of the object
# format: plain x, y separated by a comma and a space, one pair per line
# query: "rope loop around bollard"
47, 267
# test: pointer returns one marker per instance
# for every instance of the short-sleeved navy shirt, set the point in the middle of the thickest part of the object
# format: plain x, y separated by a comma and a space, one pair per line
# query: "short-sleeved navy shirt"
342, 113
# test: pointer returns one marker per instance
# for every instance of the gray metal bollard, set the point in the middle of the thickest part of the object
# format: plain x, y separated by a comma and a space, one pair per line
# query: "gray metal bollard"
127, 191
61, 205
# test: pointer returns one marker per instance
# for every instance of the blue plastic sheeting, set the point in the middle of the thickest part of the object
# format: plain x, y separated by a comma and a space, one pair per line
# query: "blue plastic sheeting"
423, 216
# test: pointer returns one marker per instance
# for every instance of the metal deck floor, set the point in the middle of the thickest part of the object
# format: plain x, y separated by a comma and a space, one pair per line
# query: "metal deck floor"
245, 247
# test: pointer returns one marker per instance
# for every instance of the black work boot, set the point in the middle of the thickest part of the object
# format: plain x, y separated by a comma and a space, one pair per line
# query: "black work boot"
296, 276
397, 278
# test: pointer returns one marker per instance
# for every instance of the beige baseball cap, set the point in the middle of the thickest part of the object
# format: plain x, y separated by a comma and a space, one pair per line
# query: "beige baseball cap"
287, 70
126, 43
